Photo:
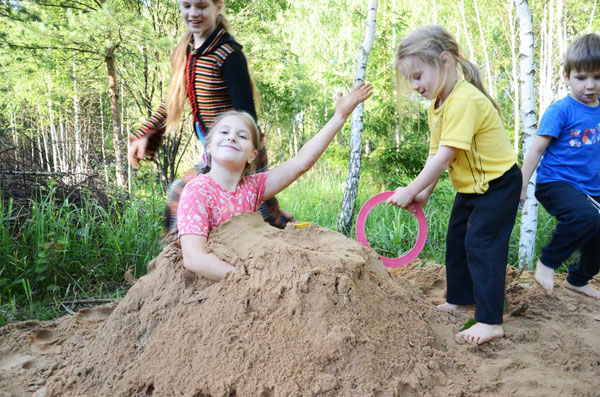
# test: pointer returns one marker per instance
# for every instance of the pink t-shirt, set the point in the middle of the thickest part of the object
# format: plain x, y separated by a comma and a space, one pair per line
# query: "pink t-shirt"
204, 204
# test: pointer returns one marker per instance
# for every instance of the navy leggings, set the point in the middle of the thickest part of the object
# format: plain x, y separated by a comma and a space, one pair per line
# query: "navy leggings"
578, 228
477, 246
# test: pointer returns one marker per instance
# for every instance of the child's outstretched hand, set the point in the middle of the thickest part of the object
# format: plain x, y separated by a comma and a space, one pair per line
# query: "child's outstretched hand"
345, 104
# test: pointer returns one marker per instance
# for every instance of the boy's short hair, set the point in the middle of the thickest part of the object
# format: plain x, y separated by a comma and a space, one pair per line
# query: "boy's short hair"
583, 55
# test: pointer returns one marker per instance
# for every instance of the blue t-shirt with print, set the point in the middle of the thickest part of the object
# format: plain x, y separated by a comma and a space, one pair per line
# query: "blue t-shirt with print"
573, 155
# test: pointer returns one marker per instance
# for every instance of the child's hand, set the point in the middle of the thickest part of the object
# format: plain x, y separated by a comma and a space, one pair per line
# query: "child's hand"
346, 104
137, 150
523, 197
402, 197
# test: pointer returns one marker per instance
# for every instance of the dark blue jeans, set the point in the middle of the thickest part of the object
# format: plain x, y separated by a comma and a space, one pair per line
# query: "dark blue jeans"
477, 246
578, 228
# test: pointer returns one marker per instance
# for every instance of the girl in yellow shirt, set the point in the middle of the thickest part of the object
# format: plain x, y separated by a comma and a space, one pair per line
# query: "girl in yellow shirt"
468, 139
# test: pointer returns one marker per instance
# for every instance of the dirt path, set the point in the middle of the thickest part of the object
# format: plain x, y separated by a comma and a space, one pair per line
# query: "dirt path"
308, 312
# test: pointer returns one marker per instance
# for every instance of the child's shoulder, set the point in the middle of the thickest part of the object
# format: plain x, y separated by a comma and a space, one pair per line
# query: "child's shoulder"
254, 179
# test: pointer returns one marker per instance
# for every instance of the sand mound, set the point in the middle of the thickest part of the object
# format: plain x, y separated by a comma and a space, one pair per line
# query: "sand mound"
307, 311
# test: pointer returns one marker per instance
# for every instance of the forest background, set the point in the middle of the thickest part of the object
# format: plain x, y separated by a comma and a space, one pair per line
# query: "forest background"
77, 77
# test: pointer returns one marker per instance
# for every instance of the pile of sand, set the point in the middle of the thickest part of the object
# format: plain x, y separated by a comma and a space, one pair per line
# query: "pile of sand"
308, 312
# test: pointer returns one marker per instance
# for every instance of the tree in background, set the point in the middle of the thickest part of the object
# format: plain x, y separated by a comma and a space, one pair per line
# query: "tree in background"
351, 191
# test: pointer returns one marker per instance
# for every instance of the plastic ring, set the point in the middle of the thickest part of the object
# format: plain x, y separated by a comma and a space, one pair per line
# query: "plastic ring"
421, 238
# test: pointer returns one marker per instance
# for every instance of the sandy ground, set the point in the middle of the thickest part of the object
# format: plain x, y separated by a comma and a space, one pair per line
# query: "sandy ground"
309, 312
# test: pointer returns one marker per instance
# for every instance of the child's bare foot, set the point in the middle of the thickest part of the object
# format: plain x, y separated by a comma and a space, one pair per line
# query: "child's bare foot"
481, 333
544, 275
450, 307
585, 289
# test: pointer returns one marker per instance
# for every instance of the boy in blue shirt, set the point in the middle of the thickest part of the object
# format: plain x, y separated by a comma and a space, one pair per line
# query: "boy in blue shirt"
568, 177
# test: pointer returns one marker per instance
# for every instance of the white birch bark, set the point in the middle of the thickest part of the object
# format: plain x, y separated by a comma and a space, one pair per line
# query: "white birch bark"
53, 136
562, 47
78, 147
39, 146
488, 66
467, 37
592, 14
529, 127
103, 142
344, 222
512, 33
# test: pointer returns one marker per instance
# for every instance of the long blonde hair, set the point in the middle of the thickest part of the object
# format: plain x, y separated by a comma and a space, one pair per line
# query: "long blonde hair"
427, 43
177, 94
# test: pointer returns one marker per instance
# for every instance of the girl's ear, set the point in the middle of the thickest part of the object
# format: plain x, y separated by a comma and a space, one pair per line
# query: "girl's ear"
445, 59
252, 156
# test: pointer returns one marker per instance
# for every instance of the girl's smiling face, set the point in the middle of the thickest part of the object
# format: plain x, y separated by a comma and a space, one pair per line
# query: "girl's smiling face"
231, 143
200, 16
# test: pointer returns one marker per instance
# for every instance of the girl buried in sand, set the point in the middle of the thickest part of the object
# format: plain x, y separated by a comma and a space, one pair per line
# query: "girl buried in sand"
228, 188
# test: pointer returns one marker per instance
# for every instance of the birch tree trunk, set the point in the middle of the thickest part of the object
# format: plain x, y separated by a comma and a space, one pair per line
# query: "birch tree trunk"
78, 147
467, 37
103, 142
114, 110
529, 127
515, 71
488, 67
344, 222
53, 136
593, 13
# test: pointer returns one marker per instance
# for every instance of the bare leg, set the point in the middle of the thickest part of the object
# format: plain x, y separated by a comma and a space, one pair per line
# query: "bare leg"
481, 333
544, 275
585, 289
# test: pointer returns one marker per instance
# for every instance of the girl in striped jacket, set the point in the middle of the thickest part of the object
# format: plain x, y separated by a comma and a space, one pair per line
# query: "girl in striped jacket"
210, 71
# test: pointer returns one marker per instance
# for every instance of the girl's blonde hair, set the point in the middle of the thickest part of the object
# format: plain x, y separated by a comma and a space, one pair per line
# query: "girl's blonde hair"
177, 94
427, 43
250, 124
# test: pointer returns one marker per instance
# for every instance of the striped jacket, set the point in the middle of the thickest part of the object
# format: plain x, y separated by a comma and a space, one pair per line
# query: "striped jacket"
217, 80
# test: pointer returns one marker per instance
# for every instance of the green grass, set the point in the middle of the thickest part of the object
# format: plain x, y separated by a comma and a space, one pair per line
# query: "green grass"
52, 251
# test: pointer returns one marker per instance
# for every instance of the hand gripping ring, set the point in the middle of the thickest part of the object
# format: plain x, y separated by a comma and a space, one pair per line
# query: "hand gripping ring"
421, 238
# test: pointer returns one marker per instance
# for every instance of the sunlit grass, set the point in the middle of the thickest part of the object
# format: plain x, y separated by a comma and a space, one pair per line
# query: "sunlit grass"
52, 251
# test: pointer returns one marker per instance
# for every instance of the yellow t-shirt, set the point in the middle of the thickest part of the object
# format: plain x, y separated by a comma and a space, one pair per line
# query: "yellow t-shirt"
468, 121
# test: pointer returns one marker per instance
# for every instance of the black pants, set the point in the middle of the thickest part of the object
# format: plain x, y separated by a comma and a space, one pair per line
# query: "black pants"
578, 228
477, 246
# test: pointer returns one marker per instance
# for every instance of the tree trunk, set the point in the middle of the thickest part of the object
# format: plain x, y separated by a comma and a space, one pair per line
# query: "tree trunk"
103, 142
512, 32
78, 145
53, 137
488, 67
464, 22
114, 110
592, 14
344, 222
529, 127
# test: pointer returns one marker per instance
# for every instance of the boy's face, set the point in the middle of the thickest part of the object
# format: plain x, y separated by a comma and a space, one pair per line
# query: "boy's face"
585, 86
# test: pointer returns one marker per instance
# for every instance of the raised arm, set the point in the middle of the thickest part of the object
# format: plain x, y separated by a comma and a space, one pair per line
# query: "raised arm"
196, 259
284, 174
537, 149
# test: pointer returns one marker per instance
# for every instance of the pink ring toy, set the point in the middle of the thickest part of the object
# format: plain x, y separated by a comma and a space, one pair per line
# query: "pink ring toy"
362, 238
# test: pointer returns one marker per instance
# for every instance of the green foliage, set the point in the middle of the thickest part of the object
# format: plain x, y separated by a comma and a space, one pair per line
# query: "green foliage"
55, 250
